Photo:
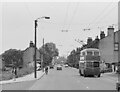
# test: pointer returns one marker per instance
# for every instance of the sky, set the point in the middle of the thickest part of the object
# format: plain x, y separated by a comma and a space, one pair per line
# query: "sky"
17, 28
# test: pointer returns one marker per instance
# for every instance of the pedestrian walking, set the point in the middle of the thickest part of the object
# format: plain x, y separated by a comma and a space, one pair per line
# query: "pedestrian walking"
46, 70
14, 72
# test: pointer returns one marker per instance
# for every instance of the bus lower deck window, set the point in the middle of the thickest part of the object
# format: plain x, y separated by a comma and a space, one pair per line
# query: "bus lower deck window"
96, 64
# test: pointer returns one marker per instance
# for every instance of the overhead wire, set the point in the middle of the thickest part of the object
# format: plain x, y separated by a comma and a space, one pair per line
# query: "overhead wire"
72, 18
98, 19
107, 14
99, 15
29, 13
66, 16
75, 10
74, 13
28, 10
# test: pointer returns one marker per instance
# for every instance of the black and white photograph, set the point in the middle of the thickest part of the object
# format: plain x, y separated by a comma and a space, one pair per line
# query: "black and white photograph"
60, 45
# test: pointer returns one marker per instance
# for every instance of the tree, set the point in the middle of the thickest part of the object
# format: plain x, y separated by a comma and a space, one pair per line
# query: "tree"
60, 59
89, 40
13, 57
51, 49
48, 51
74, 58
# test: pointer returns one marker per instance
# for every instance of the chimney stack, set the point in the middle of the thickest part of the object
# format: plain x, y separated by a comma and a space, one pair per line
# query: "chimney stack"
102, 35
31, 44
110, 31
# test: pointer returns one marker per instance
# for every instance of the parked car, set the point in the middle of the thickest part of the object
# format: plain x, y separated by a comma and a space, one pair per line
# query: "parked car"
66, 65
59, 67
51, 67
38, 67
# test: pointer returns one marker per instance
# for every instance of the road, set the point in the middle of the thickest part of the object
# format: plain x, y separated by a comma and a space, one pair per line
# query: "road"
67, 79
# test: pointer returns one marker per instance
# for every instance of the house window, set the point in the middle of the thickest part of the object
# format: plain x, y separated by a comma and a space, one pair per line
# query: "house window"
83, 53
116, 46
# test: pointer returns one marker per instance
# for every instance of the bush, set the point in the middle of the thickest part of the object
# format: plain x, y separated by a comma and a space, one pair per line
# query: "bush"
25, 71
7, 75
13, 57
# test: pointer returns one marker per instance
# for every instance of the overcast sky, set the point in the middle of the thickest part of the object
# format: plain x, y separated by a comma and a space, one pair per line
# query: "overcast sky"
18, 23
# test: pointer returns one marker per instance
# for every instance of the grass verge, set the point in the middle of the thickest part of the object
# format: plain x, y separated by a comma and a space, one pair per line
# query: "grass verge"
7, 75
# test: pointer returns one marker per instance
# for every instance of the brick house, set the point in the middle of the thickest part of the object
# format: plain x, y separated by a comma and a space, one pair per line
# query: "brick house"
108, 47
28, 55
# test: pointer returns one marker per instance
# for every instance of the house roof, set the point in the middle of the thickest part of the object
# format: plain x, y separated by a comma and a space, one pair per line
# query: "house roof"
28, 48
89, 49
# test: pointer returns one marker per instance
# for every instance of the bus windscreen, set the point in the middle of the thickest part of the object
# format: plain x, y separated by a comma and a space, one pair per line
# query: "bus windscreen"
95, 64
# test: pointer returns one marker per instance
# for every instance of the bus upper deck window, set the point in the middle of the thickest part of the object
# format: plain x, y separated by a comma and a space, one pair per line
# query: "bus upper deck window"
89, 53
96, 53
83, 53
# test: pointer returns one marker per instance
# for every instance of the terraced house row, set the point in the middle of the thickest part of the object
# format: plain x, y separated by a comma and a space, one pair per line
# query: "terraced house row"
109, 48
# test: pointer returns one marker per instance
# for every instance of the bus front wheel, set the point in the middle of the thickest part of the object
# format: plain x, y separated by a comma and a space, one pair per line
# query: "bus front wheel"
80, 73
98, 75
84, 74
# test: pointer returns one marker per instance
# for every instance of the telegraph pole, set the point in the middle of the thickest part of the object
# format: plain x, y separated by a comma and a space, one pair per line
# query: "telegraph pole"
43, 55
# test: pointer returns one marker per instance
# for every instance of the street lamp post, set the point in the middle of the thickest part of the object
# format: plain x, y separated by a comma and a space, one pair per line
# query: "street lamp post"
35, 43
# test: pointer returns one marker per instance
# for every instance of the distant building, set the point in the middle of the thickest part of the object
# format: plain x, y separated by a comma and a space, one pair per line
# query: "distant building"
28, 55
92, 43
109, 48
89, 40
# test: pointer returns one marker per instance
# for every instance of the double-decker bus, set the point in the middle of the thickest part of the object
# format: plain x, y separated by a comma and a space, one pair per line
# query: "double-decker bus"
89, 63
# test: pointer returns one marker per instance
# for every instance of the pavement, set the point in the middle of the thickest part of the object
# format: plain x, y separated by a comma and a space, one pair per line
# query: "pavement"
111, 74
28, 77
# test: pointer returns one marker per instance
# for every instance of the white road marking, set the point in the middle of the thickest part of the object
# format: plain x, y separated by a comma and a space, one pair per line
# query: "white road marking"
87, 87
